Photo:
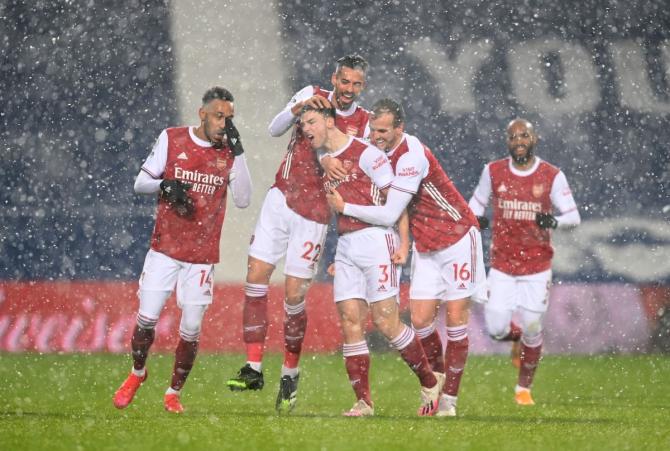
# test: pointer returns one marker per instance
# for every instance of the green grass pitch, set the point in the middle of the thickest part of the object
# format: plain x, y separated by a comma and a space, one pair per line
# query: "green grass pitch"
64, 402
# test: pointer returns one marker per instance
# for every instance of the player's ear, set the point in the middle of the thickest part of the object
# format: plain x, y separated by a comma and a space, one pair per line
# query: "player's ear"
201, 114
333, 78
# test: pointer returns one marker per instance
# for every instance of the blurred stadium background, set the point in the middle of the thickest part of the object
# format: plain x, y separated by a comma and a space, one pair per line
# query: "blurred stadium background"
87, 87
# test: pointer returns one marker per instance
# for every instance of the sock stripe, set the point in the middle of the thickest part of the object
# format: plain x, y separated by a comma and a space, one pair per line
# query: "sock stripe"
534, 341
457, 333
146, 322
294, 309
425, 331
403, 339
255, 290
352, 349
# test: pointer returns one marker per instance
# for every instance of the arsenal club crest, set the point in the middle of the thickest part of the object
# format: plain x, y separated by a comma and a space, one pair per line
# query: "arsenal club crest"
538, 190
220, 164
351, 130
348, 164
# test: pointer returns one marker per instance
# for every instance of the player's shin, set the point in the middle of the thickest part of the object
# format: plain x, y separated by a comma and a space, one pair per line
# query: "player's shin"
184, 359
295, 324
254, 320
455, 357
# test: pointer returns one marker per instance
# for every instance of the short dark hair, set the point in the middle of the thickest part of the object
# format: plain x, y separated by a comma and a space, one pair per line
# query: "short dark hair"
217, 93
353, 62
325, 112
389, 106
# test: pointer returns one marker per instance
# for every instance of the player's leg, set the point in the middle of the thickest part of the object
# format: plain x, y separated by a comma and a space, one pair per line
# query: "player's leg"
534, 293
194, 295
349, 290
425, 290
254, 325
157, 281
456, 354
462, 277
386, 318
267, 248
295, 325
185, 354
503, 299
302, 257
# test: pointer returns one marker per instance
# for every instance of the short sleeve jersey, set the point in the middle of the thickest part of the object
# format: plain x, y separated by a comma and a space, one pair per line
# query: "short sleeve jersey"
519, 246
299, 175
368, 172
179, 154
438, 214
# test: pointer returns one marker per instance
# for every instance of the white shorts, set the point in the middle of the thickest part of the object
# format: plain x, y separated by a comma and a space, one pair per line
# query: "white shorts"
530, 292
193, 281
363, 266
456, 272
281, 232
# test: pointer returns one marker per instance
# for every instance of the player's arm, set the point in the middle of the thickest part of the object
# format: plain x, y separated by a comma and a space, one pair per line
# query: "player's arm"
563, 201
399, 257
240, 182
149, 179
239, 178
480, 198
287, 117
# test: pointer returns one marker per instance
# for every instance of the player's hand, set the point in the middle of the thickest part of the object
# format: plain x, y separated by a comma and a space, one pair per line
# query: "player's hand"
333, 168
483, 222
233, 137
318, 102
399, 257
175, 192
331, 270
335, 201
546, 221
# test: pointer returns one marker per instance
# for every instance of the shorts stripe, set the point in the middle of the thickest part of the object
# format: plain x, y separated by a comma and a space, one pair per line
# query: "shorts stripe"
390, 244
473, 256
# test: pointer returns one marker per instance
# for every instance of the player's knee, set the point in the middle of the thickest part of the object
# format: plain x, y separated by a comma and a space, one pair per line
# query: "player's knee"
497, 323
421, 321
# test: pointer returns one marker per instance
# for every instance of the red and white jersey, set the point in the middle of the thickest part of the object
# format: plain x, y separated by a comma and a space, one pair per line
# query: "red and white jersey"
179, 154
369, 172
438, 214
299, 175
519, 246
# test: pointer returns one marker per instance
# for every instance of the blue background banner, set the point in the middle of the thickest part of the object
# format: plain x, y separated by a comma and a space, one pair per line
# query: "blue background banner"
85, 91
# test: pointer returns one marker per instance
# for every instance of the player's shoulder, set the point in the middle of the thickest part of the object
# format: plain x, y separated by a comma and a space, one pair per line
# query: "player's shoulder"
172, 132
544, 163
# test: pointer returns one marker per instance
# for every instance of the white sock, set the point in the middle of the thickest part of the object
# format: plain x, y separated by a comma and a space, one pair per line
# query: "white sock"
256, 366
171, 391
139, 373
519, 388
293, 372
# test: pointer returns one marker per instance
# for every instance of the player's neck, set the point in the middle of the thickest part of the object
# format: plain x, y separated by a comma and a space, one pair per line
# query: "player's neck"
335, 141
524, 166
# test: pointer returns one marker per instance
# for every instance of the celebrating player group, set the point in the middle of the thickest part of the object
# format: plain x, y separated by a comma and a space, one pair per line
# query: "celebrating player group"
390, 195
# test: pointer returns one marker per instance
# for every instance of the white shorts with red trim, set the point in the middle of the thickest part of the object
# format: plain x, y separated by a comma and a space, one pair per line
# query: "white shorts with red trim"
530, 291
280, 232
456, 272
363, 266
194, 282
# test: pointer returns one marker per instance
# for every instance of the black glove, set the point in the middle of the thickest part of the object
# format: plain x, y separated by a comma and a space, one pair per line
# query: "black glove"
233, 138
546, 221
483, 222
175, 193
